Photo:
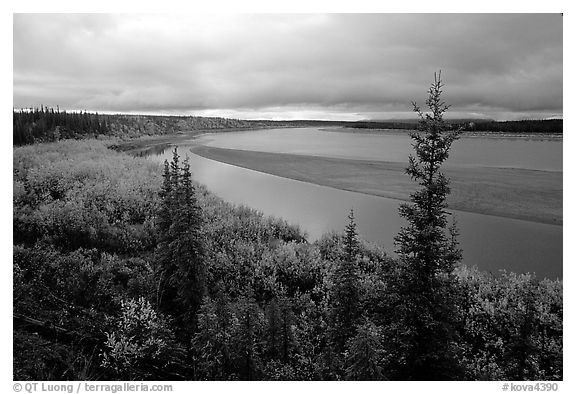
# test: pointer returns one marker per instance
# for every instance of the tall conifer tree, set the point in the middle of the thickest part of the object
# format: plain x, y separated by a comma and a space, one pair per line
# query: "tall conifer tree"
180, 253
365, 354
428, 252
345, 292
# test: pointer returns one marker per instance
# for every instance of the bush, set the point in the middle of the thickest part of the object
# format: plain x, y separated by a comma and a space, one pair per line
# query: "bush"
513, 326
141, 344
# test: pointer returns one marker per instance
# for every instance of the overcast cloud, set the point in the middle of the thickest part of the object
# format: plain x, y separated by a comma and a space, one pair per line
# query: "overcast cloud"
335, 66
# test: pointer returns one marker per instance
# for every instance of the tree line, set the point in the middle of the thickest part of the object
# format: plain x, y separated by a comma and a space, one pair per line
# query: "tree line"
46, 124
542, 126
548, 126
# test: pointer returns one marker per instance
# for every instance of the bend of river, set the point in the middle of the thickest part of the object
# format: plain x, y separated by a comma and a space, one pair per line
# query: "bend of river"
490, 242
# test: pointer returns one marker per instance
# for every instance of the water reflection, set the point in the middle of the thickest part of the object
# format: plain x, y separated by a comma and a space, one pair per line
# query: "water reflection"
154, 150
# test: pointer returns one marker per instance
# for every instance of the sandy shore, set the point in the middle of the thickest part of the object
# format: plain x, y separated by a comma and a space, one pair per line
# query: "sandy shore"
514, 193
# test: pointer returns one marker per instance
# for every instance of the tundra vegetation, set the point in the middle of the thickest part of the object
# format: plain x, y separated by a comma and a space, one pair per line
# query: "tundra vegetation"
128, 270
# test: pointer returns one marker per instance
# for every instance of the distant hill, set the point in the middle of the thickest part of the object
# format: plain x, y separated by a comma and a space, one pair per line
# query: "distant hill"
547, 126
415, 120
541, 126
47, 124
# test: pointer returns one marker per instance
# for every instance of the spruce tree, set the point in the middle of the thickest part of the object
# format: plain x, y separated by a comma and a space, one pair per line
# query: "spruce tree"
424, 313
273, 328
287, 340
351, 240
212, 343
165, 212
163, 252
279, 335
188, 244
180, 253
247, 337
365, 354
345, 292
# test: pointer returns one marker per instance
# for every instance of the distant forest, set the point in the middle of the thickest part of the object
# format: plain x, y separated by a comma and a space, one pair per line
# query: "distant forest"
48, 124
550, 126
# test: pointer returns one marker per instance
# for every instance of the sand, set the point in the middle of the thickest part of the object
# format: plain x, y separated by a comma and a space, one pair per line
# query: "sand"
516, 193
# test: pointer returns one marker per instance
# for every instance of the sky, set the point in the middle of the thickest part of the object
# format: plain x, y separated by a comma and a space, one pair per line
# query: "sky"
290, 66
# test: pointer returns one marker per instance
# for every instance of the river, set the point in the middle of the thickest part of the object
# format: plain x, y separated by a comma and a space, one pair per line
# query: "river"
490, 242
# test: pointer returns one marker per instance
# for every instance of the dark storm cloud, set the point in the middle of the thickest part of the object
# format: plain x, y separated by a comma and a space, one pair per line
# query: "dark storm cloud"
341, 65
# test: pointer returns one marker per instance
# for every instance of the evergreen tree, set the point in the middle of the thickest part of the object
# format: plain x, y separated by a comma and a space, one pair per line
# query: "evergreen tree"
212, 342
45, 124
273, 328
345, 292
351, 240
188, 244
180, 253
522, 352
424, 311
247, 337
165, 213
365, 354
166, 294
279, 335
164, 223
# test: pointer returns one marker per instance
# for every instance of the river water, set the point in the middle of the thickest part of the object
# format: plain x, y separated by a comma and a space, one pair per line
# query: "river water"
492, 243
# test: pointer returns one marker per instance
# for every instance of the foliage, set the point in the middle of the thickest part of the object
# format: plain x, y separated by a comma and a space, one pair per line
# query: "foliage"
280, 340
344, 295
517, 126
365, 354
180, 252
531, 126
79, 194
513, 326
89, 226
39, 359
247, 337
45, 124
141, 342
34, 125
424, 311
213, 341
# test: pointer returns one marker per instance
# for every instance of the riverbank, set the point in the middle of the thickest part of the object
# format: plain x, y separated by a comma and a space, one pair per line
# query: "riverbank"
465, 134
513, 193
149, 144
